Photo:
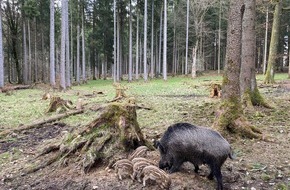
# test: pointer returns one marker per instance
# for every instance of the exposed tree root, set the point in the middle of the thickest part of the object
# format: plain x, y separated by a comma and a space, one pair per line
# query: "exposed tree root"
114, 132
230, 120
254, 98
41, 165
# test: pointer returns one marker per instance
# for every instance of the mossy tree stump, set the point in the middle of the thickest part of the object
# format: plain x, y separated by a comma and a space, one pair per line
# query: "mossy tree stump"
114, 132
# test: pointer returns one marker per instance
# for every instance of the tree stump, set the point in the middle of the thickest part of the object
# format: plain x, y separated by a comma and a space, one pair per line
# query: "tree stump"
57, 103
215, 91
120, 92
112, 134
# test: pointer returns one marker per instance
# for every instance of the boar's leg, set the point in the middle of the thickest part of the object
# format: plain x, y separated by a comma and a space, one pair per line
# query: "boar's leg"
175, 166
196, 168
216, 171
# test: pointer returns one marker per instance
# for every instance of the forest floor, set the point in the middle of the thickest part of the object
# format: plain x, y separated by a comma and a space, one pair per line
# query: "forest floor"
258, 164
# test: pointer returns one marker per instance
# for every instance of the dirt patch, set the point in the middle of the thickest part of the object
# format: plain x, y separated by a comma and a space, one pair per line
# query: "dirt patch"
32, 137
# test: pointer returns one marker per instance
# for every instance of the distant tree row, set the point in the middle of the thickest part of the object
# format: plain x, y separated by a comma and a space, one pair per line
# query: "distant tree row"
67, 42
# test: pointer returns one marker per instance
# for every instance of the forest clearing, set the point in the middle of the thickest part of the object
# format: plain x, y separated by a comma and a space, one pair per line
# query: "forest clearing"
258, 164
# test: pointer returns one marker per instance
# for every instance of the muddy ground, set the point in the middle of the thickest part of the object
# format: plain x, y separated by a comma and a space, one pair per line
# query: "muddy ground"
258, 164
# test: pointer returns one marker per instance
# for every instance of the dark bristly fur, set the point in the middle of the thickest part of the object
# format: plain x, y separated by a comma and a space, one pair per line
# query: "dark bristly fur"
184, 142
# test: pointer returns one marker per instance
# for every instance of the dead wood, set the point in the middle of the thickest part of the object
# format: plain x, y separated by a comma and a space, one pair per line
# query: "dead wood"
113, 133
42, 121
48, 120
5, 89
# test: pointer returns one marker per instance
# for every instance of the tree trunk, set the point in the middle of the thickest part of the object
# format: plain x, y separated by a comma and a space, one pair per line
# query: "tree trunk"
160, 42
29, 77
130, 45
186, 45
83, 48
165, 42
72, 42
25, 66
152, 41
137, 49
145, 42
67, 50
118, 49
115, 44
35, 53
273, 50
266, 42
230, 114
193, 71
248, 86
52, 55
1, 53
78, 50
219, 38
63, 44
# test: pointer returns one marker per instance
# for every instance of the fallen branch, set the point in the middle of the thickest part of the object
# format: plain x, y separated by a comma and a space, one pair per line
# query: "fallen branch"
42, 121
16, 87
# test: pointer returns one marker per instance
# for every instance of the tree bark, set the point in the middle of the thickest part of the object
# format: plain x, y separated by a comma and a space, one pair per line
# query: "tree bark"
165, 42
186, 45
130, 44
249, 91
52, 50
83, 48
1, 53
145, 42
67, 50
266, 42
273, 50
115, 44
137, 49
160, 42
78, 49
63, 46
25, 66
152, 41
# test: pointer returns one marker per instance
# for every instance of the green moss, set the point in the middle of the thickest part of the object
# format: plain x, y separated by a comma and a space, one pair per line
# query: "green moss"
265, 177
225, 80
257, 98
282, 186
232, 110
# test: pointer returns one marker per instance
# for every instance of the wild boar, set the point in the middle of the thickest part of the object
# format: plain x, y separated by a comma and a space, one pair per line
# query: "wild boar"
159, 176
184, 142
124, 168
138, 168
138, 152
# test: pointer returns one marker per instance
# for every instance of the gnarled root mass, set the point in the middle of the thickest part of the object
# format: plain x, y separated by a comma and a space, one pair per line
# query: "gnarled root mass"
230, 120
114, 132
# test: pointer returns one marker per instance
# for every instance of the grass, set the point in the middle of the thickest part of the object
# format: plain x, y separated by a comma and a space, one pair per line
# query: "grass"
25, 106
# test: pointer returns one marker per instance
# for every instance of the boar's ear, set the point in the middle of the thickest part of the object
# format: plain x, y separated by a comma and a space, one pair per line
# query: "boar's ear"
160, 147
